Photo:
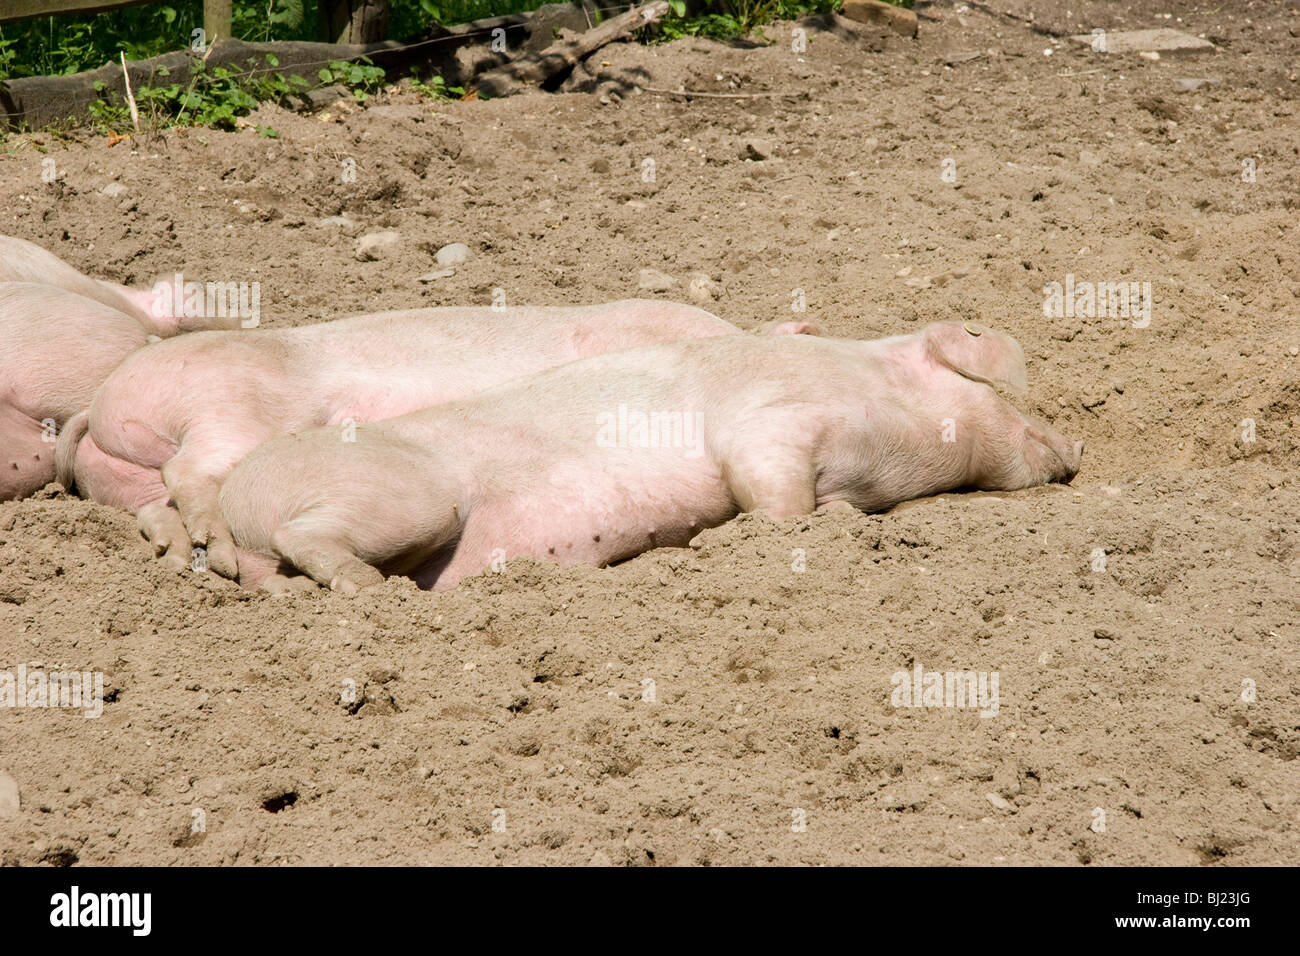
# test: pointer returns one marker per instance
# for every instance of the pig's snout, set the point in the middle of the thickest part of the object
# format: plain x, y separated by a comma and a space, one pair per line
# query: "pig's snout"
1050, 455
1069, 455
1073, 461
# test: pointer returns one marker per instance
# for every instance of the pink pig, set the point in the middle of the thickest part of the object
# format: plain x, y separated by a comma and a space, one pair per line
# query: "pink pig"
22, 261
61, 334
175, 418
602, 459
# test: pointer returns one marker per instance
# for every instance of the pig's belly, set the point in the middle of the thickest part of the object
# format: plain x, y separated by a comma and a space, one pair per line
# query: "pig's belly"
589, 515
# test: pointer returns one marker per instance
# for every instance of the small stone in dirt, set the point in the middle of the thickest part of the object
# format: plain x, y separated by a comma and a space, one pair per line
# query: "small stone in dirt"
1187, 84
1088, 157
756, 149
113, 190
435, 276
1163, 40
1104, 634
702, 288
1000, 802
375, 245
9, 800
600, 858
453, 254
652, 280
338, 222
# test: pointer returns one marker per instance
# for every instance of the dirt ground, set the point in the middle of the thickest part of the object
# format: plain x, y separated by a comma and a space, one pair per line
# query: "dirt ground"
1142, 623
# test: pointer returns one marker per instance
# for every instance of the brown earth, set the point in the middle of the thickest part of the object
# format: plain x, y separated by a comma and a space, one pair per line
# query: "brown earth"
518, 698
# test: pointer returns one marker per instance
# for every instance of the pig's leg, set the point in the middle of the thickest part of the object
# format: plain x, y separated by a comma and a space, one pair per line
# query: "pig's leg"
27, 460
136, 488
768, 467
329, 562
193, 478
161, 524
262, 571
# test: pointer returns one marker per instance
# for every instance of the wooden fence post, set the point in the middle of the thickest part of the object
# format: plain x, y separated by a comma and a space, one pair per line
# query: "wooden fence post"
216, 19
354, 21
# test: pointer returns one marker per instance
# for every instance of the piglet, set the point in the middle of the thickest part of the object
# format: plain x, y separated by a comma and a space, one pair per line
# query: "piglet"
603, 459
171, 422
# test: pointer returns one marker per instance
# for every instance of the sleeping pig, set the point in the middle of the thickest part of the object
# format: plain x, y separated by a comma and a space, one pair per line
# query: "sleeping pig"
602, 459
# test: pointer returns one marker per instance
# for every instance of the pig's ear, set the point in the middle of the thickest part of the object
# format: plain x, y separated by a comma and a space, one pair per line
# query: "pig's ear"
978, 353
794, 328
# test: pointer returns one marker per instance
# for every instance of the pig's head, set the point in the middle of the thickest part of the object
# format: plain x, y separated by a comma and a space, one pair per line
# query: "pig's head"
977, 353
1019, 451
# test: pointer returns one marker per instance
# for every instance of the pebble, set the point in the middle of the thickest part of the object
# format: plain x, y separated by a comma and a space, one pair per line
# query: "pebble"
113, 190
453, 254
1000, 803
338, 222
702, 288
9, 800
652, 280
434, 276
375, 245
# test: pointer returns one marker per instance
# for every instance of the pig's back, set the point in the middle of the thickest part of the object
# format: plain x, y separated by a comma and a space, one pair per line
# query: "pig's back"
22, 261
56, 347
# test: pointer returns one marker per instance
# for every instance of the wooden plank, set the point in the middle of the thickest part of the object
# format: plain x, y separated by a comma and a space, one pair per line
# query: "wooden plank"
22, 9
216, 19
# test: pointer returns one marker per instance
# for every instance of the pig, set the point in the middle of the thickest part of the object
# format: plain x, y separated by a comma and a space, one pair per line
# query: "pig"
571, 465
172, 421
22, 261
56, 347
61, 334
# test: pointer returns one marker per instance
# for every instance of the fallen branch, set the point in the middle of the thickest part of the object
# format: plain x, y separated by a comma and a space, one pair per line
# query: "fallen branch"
537, 68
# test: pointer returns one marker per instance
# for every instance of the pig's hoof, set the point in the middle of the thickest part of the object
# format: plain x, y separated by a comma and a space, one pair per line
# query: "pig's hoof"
223, 559
173, 560
348, 582
283, 585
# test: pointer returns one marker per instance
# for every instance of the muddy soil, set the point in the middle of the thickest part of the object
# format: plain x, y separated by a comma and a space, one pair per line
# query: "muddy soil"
734, 702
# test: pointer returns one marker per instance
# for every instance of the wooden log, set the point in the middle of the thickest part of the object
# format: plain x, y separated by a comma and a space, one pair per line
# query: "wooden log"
535, 69
38, 101
21, 9
876, 13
